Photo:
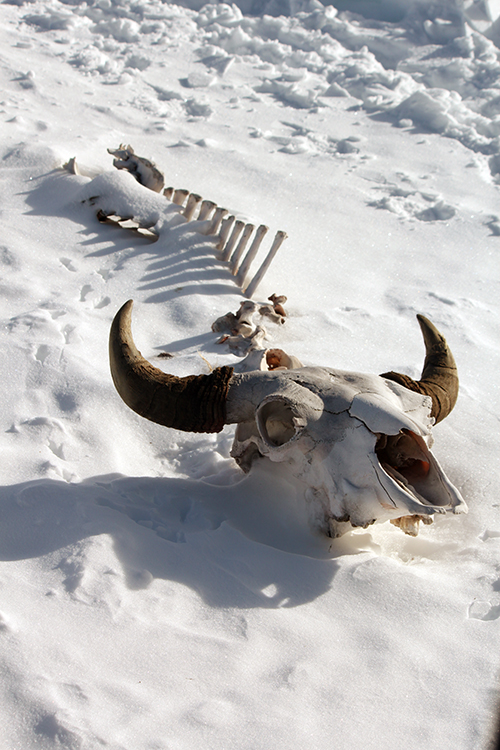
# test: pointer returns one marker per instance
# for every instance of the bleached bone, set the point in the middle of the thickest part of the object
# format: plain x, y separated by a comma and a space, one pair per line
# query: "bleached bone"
216, 220
243, 344
224, 232
252, 286
237, 230
127, 222
278, 302
356, 446
193, 201
148, 175
270, 312
71, 166
225, 324
254, 248
245, 325
206, 209
267, 360
240, 248
180, 196
143, 170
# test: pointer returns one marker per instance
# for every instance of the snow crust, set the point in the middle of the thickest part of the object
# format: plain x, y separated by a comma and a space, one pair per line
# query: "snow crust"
151, 597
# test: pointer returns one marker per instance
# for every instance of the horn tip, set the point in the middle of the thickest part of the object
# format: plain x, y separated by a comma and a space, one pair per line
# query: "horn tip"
430, 333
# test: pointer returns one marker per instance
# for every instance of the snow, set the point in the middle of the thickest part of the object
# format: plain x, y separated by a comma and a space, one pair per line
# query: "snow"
152, 597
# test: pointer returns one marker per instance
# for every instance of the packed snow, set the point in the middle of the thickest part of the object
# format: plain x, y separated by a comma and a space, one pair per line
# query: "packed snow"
152, 596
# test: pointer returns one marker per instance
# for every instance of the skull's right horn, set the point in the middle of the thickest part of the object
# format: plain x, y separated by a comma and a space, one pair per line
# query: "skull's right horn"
439, 378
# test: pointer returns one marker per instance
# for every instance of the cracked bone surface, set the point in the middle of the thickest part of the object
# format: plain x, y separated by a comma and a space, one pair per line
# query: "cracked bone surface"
356, 446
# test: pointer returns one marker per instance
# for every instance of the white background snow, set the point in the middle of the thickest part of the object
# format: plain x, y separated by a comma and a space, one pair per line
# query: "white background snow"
151, 597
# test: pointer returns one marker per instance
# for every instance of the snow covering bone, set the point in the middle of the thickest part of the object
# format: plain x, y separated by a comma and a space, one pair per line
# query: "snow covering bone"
358, 445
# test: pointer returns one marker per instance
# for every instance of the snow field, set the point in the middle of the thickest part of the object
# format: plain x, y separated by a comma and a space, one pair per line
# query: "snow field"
151, 597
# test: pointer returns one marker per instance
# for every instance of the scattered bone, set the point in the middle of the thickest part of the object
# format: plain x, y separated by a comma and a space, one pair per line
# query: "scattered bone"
237, 230
225, 324
179, 197
240, 249
245, 325
127, 222
268, 359
278, 302
71, 166
194, 200
409, 524
269, 312
277, 359
241, 345
252, 286
250, 256
168, 193
144, 171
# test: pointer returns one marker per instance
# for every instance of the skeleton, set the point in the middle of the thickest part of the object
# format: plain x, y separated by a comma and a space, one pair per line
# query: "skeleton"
211, 220
357, 445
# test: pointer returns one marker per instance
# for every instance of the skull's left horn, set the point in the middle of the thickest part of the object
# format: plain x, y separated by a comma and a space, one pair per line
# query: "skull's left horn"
439, 378
196, 403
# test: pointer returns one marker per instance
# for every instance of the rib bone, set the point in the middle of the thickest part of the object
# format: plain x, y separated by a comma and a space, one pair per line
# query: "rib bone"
278, 241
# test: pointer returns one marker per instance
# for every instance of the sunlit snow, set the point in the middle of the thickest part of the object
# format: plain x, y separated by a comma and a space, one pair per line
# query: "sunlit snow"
152, 597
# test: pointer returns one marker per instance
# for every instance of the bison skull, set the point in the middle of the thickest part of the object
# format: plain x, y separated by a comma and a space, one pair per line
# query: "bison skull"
358, 445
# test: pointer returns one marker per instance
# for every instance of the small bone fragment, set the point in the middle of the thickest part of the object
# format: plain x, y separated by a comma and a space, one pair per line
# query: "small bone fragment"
409, 524
237, 229
240, 249
168, 193
144, 171
147, 233
247, 309
206, 209
271, 313
278, 302
127, 222
224, 232
180, 196
254, 248
245, 325
243, 344
216, 220
277, 359
252, 286
71, 166
225, 324
193, 201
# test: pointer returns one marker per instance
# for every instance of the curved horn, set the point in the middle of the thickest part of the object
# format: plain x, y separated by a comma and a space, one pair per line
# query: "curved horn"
196, 403
439, 378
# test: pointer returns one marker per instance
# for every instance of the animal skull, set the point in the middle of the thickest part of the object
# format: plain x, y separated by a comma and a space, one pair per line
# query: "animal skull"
358, 445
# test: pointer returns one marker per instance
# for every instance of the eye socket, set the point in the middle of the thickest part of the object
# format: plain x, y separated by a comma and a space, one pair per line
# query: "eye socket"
276, 423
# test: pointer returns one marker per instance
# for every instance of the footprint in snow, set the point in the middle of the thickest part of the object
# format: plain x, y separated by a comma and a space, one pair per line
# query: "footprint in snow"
68, 263
85, 291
